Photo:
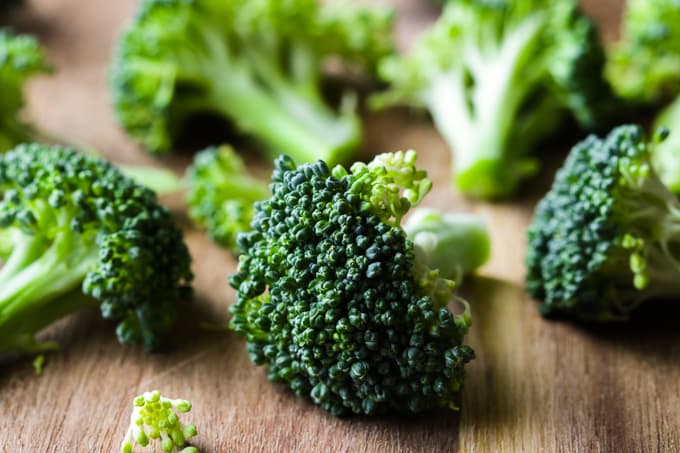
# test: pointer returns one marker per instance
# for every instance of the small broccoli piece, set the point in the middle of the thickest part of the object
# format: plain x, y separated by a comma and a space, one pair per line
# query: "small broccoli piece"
222, 194
21, 58
666, 153
330, 297
157, 417
497, 76
77, 233
606, 237
645, 65
257, 63
453, 243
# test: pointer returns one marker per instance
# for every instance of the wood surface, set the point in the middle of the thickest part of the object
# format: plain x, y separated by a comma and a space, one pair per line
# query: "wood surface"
535, 385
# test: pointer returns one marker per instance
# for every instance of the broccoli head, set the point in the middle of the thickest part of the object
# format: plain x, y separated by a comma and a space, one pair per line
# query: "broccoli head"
331, 297
222, 194
497, 76
157, 417
257, 63
645, 65
20, 59
606, 236
75, 233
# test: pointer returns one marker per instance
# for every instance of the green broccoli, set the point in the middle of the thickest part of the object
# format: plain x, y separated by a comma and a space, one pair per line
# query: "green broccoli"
157, 417
645, 65
497, 76
21, 58
607, 235
331, 296
666, 154
77, 233
222, 194
455, 244
257, 63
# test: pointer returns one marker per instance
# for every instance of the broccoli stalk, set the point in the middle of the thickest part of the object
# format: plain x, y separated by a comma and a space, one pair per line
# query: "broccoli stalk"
666, 153
222, 194
498, 77
607, 235
331, 297
258, 63
645, 65
77, 233
157, 417
455, 244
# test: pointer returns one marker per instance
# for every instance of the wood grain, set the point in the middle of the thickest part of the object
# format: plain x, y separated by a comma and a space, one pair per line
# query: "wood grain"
535, 385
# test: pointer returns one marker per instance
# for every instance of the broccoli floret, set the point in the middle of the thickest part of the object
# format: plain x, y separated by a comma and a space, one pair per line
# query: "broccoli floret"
455, 244
157, 417
77, 233
645, 65
257, 63
497, 76
606, 237
21, 58
329, 295
666, 153
222, 194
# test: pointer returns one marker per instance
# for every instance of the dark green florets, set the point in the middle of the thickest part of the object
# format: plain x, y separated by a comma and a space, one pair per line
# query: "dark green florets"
80, 233
603, 239
329, 300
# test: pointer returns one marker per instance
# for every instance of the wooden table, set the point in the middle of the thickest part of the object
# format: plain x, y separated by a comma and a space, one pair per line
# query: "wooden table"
535, 385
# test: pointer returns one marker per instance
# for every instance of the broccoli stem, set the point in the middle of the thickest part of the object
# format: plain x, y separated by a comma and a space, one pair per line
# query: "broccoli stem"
40, 284
654, 236
289, 123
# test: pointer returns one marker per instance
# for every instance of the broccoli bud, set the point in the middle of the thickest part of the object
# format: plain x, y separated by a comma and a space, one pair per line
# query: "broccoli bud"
330, 297
76, 233
607, 235
157, 417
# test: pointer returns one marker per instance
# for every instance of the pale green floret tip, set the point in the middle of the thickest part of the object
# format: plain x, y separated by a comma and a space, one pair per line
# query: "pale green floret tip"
155, 417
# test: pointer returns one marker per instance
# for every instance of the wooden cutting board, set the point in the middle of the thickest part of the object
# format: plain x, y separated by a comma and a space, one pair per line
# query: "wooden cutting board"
535, 385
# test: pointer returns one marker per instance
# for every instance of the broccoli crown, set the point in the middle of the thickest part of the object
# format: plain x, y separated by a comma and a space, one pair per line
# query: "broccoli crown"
497, 76
78, 233
222, 194
645, 65
328, 296
602, 240
20, 58
258, 63
157, 417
